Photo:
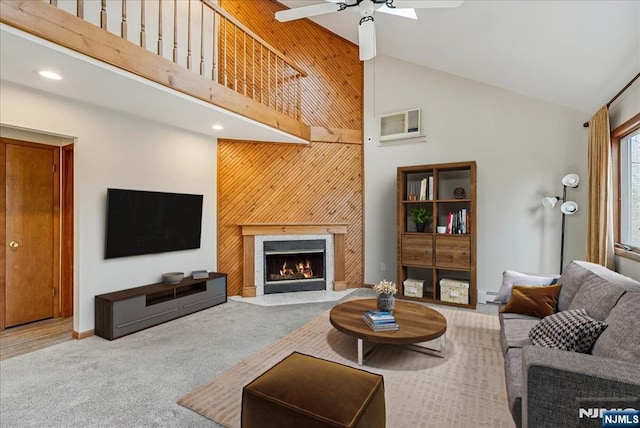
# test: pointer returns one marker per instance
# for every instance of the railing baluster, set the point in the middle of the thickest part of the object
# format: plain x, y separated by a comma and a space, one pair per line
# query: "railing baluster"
278, 87
226, 80
103, 15
253, 69
235, 57
175, 31
201, 39
269, 78
123, 24
214, 48
80, 9
160, 27
289, 92
261, 74
189, 35
299, 94
244, 65
143, 36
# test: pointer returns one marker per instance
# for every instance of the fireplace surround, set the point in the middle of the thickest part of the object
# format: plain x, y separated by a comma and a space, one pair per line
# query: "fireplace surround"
292, 237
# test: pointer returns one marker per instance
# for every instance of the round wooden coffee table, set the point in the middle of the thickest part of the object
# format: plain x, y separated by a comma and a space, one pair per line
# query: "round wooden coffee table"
417, 324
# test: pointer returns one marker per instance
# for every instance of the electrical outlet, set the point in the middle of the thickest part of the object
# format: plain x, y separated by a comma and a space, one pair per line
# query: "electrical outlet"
383, 267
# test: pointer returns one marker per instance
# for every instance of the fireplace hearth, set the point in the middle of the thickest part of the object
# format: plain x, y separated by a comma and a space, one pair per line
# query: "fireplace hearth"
294, 265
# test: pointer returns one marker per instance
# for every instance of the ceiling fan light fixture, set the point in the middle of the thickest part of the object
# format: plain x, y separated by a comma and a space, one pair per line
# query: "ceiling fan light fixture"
367, 38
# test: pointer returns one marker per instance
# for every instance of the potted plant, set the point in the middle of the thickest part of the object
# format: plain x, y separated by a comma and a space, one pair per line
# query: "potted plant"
386, 298
420, 216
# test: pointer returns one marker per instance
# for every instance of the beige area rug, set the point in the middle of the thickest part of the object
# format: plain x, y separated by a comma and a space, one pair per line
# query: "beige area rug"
465, 389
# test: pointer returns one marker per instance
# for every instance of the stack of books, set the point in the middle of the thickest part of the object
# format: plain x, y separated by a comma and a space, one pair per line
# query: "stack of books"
458, 221
380, 320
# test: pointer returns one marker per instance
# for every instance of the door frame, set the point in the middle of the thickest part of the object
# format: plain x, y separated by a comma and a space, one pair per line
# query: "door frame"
63, 232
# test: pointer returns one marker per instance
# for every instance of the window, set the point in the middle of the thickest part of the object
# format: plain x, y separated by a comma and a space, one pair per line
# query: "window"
630, 189
625, 142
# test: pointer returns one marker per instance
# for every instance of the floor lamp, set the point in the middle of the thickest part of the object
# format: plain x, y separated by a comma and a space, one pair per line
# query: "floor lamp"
567, 207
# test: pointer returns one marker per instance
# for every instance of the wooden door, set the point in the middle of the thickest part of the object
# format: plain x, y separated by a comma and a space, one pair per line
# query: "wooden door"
31, 232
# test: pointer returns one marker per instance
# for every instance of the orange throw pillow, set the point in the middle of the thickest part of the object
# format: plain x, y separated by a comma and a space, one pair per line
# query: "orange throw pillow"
536, 301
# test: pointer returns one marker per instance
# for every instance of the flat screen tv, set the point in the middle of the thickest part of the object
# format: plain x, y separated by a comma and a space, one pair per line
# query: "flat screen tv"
142, 222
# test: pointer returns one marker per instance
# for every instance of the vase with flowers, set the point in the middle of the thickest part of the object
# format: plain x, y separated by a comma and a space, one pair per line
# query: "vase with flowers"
386, 291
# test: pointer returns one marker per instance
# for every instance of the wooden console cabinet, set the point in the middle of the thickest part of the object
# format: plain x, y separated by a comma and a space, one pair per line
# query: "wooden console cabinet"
126, 311
429, 257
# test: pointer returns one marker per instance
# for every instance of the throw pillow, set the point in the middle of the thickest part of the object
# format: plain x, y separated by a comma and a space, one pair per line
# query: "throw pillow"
572, 330
533, 300
510, 277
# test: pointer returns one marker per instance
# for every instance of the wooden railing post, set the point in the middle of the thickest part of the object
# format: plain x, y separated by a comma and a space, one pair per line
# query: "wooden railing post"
175, 31
103, 15
189, 35
201, 39
123, 24
160, 27
143, 36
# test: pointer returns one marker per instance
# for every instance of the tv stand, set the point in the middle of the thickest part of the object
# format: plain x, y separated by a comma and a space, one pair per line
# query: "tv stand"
126, 311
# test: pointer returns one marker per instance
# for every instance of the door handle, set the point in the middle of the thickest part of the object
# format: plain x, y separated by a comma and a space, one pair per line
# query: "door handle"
13, 244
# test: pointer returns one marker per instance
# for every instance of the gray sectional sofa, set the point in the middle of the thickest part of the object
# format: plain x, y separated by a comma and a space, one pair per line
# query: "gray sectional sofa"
548, 387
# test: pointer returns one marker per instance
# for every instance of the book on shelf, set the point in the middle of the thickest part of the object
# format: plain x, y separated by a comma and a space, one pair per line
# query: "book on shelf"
380, 327
458, 222
430, 188
379, 317
423, 189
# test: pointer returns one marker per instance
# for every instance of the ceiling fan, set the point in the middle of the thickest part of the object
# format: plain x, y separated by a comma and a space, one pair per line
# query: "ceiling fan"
366, 9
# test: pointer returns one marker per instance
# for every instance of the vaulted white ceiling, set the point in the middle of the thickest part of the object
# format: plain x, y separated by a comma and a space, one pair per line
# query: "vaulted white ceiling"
576, 53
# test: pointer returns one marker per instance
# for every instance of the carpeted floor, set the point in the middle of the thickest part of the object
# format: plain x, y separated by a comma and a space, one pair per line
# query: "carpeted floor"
135, 381
465, 389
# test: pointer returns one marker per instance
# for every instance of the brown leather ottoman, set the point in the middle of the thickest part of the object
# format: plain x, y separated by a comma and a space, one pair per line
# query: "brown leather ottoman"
305, 391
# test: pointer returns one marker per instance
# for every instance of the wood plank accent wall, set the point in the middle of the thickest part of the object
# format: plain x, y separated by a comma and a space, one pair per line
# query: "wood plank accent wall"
283, 183
318, 183
332, 92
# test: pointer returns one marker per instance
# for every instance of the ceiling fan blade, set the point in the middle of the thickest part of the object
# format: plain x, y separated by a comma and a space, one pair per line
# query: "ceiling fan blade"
424, 4
307, 11
405, 12
367, 38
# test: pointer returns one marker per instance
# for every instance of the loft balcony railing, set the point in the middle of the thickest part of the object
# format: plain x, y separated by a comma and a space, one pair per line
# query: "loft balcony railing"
195, 35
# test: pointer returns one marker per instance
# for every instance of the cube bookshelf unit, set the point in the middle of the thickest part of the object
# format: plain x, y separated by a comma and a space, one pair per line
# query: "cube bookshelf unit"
429, 257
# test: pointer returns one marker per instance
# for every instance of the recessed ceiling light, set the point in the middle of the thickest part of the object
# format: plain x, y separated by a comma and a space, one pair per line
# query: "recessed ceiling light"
50, 75
218, 127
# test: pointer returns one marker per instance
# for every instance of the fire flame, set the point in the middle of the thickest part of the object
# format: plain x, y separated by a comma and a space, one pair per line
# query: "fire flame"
303, 268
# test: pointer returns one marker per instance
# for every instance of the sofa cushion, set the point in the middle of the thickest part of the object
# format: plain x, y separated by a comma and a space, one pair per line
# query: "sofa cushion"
513, 376
572, 278
515, 332
577, 273
597, 296
621, 340
573, 330
511, 278
533, 300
